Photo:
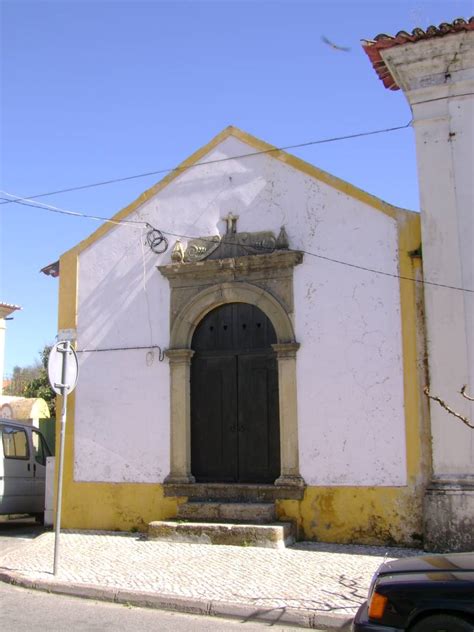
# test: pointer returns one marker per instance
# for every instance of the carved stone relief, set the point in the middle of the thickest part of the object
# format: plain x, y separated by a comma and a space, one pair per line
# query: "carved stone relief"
233, 244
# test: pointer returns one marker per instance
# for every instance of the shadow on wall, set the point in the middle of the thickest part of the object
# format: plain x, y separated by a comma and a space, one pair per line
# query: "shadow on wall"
124, 308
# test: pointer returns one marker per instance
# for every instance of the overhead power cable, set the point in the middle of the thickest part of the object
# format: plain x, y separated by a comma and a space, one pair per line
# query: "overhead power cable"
389, 274
212, 162
62, 211
345, 263
155, 239
158, 236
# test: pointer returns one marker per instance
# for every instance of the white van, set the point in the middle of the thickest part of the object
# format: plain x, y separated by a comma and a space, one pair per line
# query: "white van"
23, 452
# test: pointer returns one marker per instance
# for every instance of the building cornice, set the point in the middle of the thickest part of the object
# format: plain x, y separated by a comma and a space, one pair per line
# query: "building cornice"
231, 268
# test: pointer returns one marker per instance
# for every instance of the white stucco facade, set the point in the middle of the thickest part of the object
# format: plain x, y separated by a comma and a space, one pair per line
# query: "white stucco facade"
350, 393
437, 76
5, 311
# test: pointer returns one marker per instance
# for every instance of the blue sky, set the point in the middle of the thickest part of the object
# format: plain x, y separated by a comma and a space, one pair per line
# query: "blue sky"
95, 90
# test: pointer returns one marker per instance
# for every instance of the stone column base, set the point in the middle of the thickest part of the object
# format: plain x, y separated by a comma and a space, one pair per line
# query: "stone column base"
448, 515
287, 480
179, 480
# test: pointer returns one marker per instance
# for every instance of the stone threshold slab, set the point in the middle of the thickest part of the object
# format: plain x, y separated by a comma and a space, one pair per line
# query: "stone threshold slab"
275, 536
235, 492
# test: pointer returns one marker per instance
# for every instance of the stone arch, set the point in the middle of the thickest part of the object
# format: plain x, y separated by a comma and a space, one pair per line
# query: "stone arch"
186, 321
263, 280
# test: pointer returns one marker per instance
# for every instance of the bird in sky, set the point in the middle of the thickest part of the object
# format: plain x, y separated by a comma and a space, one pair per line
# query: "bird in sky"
335, 46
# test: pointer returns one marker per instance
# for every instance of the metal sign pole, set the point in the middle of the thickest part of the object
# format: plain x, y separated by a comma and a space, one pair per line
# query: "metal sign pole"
64, 389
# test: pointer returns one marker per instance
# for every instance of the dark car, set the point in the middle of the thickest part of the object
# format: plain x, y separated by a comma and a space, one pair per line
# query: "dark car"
431, 593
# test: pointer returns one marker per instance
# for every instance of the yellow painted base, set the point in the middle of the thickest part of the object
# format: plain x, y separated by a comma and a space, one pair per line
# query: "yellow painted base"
357, 515
114, 506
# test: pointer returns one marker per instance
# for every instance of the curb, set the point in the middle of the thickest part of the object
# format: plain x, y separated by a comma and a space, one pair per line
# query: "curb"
291, 616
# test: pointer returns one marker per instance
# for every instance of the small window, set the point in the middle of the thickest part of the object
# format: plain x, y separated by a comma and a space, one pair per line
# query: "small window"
40, 448
15, 443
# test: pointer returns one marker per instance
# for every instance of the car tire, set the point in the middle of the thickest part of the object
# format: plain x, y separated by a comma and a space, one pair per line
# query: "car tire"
443, 623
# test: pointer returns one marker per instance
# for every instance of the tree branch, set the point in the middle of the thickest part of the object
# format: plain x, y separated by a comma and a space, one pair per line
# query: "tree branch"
443, 404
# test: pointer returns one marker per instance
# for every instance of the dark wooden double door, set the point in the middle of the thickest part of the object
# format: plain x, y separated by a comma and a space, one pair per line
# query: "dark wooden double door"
235, 434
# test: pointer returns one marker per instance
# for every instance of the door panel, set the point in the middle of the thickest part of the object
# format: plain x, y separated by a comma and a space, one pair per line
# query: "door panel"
235, 327
216, 332
40, 452
214, 418
234, 397
253, 329
18, 495
259, 432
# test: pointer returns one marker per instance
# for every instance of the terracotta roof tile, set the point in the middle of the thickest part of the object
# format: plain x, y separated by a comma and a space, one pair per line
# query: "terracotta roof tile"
383, 41
7, 308
51, 269
10, 305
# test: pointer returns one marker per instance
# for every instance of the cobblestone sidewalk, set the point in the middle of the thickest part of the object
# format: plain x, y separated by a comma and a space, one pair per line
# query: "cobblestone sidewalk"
318, 583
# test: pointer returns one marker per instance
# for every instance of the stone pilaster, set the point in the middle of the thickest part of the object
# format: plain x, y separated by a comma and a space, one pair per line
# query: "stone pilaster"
289, 451
180, 401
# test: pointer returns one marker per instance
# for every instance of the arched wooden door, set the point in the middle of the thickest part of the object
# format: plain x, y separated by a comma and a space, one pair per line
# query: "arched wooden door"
235, 432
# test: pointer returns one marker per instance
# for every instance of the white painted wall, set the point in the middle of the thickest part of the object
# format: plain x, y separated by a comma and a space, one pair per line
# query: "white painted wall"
437, 76
5, 311
350, 383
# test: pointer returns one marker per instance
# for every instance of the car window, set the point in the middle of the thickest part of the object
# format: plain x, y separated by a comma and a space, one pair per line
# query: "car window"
15, 443
40, 448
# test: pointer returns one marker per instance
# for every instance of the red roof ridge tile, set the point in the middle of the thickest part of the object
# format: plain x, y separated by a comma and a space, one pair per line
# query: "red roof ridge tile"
382, 41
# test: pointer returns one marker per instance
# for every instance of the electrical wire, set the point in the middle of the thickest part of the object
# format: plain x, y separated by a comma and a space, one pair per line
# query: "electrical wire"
56, 209
160, 350
344, 263
158, 237
217, 160
389, 274
155, 239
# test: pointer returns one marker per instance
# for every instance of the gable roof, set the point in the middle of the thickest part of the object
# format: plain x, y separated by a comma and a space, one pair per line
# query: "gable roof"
260, 147
382, 41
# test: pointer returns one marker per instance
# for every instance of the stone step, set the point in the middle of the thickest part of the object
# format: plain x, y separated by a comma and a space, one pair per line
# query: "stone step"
276, 535
236, 492
203, 511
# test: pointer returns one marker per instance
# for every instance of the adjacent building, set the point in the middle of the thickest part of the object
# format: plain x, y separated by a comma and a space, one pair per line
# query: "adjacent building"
6, 310
435, 70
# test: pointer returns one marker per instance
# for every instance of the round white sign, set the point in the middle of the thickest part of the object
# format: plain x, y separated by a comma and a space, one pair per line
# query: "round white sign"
62, 368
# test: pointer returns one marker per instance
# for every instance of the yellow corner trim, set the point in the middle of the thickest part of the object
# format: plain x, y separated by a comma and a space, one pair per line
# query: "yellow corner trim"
69, 264
409, 238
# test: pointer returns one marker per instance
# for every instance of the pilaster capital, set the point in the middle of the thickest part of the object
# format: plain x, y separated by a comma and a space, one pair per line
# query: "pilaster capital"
286, 349
179, 356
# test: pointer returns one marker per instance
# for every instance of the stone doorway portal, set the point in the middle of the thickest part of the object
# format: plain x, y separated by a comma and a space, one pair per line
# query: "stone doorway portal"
255, 269
235, 430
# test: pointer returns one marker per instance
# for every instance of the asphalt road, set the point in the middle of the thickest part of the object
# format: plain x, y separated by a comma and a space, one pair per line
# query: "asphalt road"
23, 610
